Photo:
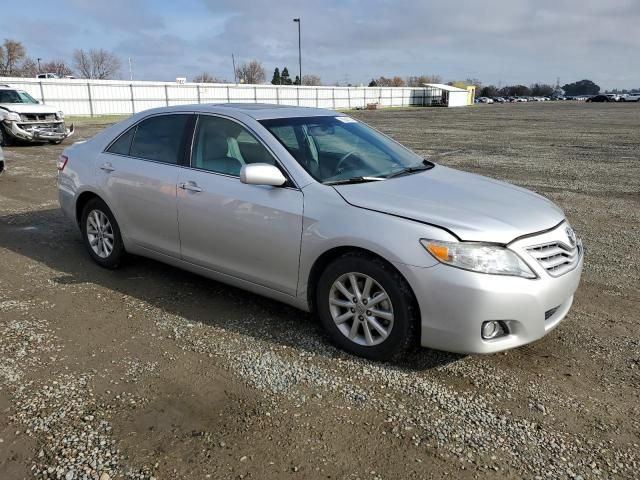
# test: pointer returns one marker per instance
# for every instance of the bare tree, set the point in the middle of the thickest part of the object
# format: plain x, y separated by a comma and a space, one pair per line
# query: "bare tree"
251, 72
311, 80
390, 82
541, 90
59, 67
29, 68
205, 77
474, 81
420, 80
11, 54
95, 63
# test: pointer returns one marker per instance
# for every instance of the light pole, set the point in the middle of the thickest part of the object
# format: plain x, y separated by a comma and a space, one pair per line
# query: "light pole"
297, 20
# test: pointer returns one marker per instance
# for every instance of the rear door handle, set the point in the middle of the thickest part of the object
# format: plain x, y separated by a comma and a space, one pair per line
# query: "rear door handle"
191, 186
107, 167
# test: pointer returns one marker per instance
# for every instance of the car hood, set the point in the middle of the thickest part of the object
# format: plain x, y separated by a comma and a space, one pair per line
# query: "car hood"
473, 207
29, 108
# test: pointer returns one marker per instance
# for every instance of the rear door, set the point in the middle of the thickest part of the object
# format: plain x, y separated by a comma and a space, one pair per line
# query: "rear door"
138, 174
250, 232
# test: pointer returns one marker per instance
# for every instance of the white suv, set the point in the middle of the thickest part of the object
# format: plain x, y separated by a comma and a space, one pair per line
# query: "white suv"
25, 119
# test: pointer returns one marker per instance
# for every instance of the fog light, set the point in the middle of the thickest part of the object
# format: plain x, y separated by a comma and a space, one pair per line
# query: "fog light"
491, 330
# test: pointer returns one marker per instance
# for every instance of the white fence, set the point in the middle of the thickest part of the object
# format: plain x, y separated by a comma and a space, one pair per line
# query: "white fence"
116, 97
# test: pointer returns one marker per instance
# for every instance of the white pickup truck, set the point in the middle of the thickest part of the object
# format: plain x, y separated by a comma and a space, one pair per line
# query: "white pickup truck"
25, 119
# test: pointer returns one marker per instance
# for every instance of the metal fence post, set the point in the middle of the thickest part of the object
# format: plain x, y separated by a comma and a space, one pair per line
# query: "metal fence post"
391, 101
298, 95
228, 96
317, 104
166, 95
349, 96
333, 96
278, 95
133, 103
255, 94
41, 92
198, 92
90, 100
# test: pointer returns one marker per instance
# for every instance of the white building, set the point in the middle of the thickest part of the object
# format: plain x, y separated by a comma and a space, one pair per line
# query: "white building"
446, 95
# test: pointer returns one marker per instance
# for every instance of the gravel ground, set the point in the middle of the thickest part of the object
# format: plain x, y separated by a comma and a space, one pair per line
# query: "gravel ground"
151, 372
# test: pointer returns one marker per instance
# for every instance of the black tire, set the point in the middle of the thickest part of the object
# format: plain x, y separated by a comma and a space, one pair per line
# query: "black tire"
55, 142
117, 253
5, 138
405, 323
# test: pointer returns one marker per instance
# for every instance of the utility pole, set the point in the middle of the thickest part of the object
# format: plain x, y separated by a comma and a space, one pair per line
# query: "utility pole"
297, 20
235, 76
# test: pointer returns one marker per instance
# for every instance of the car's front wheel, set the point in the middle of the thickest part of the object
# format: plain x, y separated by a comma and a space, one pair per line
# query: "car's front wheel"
5, 139
101, 234
366, 307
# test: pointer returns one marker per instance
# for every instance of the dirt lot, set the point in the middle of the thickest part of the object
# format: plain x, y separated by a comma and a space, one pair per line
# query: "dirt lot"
151, 372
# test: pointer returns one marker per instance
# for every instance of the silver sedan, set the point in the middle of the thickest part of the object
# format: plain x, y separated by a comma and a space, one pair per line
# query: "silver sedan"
318, 210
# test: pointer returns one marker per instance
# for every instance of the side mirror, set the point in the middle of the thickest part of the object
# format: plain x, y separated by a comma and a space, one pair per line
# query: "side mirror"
262, 174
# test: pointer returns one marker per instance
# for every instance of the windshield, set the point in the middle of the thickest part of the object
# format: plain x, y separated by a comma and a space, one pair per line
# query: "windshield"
332, 149
16, 96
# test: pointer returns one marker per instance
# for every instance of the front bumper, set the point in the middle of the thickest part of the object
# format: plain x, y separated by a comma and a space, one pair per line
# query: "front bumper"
454, 303
39, 131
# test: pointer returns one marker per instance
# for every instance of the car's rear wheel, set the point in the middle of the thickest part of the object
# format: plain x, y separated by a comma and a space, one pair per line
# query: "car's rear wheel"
366, 307
101, 234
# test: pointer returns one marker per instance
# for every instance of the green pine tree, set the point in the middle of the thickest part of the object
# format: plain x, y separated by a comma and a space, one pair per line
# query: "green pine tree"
276, 80
286, 79
297, 80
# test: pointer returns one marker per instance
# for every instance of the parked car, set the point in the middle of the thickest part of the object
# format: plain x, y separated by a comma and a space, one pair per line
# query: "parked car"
632, 97
600, 98
613, 97
318, 210
25, 119
499, 100
47, 75
1, 161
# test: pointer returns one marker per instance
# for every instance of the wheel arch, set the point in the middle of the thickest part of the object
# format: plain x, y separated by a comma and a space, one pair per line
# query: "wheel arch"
82, 200
330, 255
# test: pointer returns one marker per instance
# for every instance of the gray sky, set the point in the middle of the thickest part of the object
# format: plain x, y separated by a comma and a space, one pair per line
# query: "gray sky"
497, 41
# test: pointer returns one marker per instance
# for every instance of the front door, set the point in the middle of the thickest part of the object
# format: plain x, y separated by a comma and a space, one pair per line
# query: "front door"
251, 232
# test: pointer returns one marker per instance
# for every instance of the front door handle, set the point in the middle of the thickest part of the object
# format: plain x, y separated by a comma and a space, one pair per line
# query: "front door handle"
107, 167
191, 186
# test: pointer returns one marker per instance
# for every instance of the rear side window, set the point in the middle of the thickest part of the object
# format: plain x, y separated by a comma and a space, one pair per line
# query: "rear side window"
160, 138
122, 145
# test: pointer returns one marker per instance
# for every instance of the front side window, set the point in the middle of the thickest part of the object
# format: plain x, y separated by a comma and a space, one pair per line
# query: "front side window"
333, 149
160, 138
26, 98
224, 146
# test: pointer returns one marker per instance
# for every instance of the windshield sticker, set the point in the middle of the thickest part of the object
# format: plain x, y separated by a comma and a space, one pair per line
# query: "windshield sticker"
347, 119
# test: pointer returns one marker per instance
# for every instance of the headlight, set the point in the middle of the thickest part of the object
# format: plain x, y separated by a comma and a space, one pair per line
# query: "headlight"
479, 257
12, 117
59, 115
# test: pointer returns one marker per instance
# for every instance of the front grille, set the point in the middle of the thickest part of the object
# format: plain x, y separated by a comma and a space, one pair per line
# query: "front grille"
37, 117
556, 258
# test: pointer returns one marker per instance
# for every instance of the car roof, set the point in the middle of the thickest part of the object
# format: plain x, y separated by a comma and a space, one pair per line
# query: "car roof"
258, 111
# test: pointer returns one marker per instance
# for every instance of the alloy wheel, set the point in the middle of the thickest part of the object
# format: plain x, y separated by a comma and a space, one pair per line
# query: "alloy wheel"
100, 233
361, 309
